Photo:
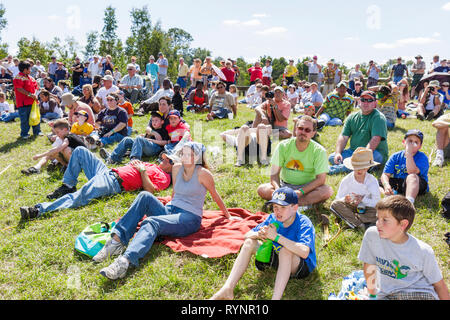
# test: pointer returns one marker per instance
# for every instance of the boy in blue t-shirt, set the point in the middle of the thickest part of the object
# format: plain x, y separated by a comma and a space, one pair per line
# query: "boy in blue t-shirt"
406, 172
293, 250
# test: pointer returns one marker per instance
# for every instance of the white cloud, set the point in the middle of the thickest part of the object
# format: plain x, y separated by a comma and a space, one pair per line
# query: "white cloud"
436, 35
231, 22
405, 42
54, 17
351, 39
260, 15
251, 23
272, 31
237, 23
446, 6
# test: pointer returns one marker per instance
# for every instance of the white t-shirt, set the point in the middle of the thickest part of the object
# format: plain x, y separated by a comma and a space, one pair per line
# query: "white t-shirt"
267, 71
4, 108
406, 267
313, 68
159, 94
103, 93
14, 70
369, 189
95, 69
430, 105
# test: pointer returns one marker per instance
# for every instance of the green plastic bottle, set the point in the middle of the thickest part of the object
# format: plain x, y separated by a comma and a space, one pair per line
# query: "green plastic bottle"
265, 250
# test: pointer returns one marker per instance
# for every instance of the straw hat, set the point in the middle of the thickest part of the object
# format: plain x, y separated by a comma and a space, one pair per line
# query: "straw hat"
362, 158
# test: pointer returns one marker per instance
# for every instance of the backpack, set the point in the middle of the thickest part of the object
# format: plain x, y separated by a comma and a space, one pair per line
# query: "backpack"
92, 239
446, 206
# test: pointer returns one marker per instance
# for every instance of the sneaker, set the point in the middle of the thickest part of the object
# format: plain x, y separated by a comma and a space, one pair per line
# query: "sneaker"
420, 117
90, 140
438, 162
52, 166
110, 161
58, 193
99, 143
30, 171
118, 269
104, 154
430, 116
28, 213
108, 251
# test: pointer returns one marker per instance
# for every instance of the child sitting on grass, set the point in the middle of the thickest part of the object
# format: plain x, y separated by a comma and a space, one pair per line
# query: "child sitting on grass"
293, 253
81, 127
405, 266
176, 129
406, 172
358, 192
62, 148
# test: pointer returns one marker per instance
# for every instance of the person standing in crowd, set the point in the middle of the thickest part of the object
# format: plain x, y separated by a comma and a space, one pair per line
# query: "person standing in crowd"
183, 70
77, 72
418, 69
163, 65
267, 73
52, 66
25, 90
313, 70
152, 71
398, 71
353, 75
290, 72
373, 74
255, 72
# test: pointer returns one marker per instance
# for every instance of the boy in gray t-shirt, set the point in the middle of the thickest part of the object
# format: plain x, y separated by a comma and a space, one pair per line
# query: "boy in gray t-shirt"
404, 267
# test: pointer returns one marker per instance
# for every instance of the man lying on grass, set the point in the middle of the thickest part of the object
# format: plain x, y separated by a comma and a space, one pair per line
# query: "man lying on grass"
293, 250
102, 182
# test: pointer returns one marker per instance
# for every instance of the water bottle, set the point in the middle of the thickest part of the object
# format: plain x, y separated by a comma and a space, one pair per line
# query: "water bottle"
265, 250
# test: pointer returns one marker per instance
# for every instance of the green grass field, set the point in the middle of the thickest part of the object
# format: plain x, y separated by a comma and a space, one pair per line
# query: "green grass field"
37, 259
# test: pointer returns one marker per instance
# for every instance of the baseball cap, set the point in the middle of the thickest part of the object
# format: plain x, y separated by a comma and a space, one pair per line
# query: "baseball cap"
278, 88
415, 132
419, 56
82, 113
370, 94
108, 77
175, 113
342, 83
309, 105
158, 114
284, 197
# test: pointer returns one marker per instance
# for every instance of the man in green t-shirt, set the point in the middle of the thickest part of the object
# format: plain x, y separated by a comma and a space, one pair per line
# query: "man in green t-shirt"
301, 164
365, 128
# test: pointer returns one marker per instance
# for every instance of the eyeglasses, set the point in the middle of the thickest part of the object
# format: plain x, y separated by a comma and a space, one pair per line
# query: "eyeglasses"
367, 100
110, 99
307, 130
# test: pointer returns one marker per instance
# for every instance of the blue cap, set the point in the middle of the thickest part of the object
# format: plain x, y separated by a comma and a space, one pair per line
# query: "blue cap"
284, 197
415, 132
175, 113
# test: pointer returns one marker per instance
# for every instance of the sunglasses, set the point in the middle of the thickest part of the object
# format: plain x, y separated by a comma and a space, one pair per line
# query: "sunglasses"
367, 100
110, 99
307, 130
161, 159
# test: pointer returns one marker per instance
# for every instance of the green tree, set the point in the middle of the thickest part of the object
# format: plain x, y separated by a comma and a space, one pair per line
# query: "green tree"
3, 24
91, 47
108, 37
138, 43
33, 49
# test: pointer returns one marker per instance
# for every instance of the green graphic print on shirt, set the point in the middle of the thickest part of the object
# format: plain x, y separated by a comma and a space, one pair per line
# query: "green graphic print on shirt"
393, 270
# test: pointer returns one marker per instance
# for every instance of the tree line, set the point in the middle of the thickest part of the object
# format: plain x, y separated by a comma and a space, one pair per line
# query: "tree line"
146, 38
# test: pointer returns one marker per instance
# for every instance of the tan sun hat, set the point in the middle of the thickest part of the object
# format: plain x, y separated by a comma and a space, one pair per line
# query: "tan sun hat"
362, 158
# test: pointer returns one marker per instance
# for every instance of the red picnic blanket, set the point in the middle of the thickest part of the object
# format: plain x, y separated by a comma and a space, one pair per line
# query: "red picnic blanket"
217, 236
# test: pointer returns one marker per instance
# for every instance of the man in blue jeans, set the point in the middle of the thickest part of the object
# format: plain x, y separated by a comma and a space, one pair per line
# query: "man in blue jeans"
102, 181
364, 128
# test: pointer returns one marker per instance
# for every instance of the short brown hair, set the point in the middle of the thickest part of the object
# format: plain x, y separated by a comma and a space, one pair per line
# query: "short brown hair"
169, 101
61, 124
310, 119
400, 208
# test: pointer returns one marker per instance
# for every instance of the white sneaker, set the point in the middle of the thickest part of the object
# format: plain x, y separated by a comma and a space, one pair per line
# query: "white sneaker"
117, 269
109, 250
438, 161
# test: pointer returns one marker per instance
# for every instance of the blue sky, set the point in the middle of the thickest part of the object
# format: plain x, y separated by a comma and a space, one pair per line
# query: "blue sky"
350, 31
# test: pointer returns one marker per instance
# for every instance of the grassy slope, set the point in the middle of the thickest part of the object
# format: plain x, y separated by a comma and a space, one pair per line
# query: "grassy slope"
37, 259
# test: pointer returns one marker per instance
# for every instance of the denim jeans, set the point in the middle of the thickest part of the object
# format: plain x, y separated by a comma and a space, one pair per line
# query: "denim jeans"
24, 115
347, 153
139, 146
161, 221
333, 122
116, 137
7, 117
101, 182
51, 115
